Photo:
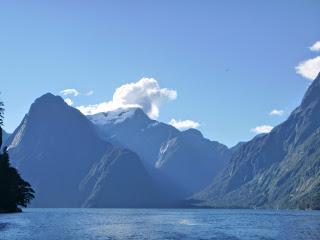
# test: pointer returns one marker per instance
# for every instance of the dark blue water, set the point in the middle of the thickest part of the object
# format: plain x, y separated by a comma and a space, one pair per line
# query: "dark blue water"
76, 224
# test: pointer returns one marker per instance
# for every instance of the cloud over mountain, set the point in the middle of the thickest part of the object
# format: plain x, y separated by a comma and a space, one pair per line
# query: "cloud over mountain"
145, 93
309, 68
68, 101
70, 91
184, 124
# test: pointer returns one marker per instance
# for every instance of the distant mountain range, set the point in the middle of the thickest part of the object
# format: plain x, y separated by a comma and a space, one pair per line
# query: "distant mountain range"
118, 159
123, 158
276, 170
186, 159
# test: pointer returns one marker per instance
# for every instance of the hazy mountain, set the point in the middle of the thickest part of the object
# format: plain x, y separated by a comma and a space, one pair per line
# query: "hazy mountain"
280, 169
191, 160
58, 151
119, 179
184, 160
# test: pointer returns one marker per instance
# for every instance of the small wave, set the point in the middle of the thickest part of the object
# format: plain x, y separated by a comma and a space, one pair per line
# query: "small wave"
186, 222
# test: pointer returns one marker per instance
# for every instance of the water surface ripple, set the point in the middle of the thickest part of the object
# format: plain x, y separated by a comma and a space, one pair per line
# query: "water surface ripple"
96, 224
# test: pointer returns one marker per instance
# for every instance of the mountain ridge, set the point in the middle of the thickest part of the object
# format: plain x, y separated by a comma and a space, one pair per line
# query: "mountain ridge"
162, 148
270, 171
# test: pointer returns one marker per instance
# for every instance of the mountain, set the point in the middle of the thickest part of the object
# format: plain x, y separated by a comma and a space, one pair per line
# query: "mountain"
276, 170
191, 160
119, 179
58, 151
178, 160
133, 129
5, 136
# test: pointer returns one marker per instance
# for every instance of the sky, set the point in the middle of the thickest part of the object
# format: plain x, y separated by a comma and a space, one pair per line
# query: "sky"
232, 69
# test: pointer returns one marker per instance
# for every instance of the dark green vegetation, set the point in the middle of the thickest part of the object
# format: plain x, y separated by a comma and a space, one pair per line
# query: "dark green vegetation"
276, 170
14, 191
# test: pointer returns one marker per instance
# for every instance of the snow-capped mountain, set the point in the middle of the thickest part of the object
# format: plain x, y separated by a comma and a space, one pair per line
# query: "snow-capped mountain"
186, 158
113, 117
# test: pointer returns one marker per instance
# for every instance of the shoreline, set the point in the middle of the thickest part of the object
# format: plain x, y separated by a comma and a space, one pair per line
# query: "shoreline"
16, 210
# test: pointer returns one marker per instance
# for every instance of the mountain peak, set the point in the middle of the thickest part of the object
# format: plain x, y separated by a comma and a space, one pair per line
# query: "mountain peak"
117, 116
193, 132
50, 106
48, 98
313, 92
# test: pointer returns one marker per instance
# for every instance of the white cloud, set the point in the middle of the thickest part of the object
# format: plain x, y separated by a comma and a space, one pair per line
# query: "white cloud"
68, 101
315, 47
89, 93
262, 129
145, 94
276, 112
309, 68
183, 124
70, 91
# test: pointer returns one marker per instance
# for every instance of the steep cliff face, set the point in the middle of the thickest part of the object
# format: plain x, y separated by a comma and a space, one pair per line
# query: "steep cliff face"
280, 169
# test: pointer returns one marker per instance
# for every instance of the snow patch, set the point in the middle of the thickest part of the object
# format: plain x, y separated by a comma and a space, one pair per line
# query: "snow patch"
112, 117
163, 150
153, 124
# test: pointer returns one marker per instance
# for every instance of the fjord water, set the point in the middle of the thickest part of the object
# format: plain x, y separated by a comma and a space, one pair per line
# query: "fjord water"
51, 224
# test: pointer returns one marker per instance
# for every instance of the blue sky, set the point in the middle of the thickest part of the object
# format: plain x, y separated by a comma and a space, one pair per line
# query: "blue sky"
230, 62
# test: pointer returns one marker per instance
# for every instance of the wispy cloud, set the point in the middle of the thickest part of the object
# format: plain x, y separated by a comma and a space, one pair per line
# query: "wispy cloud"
184, 124
145, 93
315, 47
70, 91
276, 112
262, 129
68, 101
89, 93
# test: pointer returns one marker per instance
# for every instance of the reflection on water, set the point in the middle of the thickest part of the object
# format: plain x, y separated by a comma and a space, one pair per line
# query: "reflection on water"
74, 224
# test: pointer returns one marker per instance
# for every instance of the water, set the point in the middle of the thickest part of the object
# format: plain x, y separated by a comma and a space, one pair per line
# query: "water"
77, 224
